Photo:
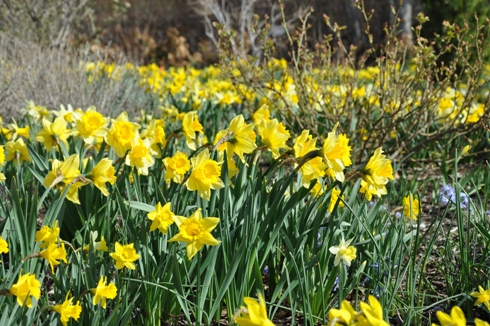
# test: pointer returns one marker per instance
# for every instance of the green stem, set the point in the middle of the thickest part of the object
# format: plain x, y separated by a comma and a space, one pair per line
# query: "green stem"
198, 289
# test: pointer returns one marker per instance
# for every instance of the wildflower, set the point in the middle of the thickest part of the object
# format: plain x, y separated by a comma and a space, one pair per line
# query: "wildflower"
67, 310
455, 319
343, 252
447, 194
26, 287
102, 173
103, 292
196, 232
17, 151
411, 207
53, 253
255, 314
53, 133
92, 126
4, 246
140, 156
205, 175
343, 316
377, 173
191, 125
372, 314
48, 235
241, 139
162, 218
334, 198
483, 296
63, 174
274, 136
336, 154
176, 167
125, 256
122, 134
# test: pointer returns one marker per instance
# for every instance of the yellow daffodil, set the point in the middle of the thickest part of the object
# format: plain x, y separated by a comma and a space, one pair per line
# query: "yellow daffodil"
372, 313
53, 253
479, 322
411, 207
4, 246
156, 134
205, 175
162, 218
96, 245
336, 153
196, 232
274, 136
26, 287
176, 167
14, 131
456, 318
240, 138
2, 162
343, 316
67, 310
63, 174
53, 133
140, 156
191, 125
334, 197
122, 134
102, 173
255, 314
91, 126
17, 150
68, 113
125, 256
343, 252
262, 113
103, 292
377, 173
483, 296
48, 235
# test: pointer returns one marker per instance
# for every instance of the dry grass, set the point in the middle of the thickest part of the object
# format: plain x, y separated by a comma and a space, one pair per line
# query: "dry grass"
50, 77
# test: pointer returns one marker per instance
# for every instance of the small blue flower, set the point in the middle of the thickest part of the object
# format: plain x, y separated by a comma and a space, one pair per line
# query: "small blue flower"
447, 194
266, 270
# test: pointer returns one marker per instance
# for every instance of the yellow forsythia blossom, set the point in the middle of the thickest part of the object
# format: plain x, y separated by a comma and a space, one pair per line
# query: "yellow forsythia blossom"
26, 287
103, 292
125, 256
205, 175
196, 232
162, 218
255, 314
67, 310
